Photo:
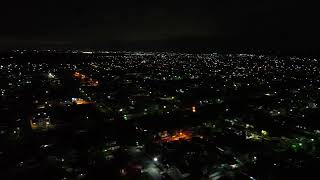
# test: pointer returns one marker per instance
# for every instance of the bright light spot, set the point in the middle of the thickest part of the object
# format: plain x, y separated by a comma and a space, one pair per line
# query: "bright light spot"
194, 109
155, 159
233, 166
263, 132
87, 52
50, 75
123, 172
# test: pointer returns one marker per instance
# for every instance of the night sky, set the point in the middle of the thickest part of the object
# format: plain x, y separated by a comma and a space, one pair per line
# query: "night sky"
280, 25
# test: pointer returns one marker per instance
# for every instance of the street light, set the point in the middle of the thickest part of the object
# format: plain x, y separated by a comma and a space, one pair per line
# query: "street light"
155, 159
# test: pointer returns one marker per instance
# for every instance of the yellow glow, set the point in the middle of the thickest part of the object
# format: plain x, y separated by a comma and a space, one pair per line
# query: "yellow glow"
86, 80
177, 136
194, 109
263, 132
80, 101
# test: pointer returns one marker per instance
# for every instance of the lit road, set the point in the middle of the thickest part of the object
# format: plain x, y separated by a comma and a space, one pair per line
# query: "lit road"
148, 164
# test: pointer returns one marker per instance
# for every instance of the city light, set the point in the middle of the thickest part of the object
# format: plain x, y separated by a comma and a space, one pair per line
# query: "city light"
155, 159
51, 76
194, 109
161, 113
263, 132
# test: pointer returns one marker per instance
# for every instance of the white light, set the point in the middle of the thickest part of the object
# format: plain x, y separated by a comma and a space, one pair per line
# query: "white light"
87, 52
50, 75
233, 166
155, 159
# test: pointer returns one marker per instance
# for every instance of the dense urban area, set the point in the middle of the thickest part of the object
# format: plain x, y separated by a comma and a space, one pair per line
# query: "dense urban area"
147, 115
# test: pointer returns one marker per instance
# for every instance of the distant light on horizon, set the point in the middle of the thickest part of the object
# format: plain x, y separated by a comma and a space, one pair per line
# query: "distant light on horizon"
87, 52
